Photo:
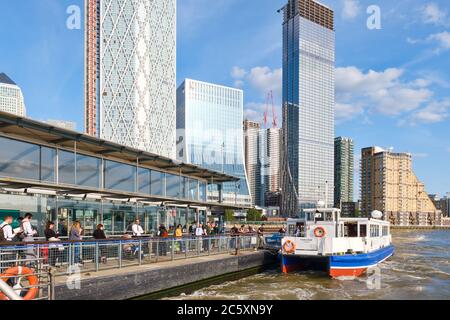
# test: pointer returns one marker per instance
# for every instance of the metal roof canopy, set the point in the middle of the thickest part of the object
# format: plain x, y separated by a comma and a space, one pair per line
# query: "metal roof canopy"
33, 130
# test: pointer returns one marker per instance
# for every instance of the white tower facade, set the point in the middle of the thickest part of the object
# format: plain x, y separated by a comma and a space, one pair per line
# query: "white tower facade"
131, 73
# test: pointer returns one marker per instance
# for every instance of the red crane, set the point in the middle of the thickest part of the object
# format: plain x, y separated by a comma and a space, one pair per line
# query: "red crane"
270, 101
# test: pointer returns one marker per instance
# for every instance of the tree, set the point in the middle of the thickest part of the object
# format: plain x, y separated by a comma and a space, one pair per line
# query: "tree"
229, 215
254, 215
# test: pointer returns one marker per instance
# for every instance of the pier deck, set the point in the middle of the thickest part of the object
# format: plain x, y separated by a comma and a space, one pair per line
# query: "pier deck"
138, 281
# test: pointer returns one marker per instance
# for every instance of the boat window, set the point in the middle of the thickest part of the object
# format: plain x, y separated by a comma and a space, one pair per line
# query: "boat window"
374, 231
363, 230
385, 231
297, 230
351, 230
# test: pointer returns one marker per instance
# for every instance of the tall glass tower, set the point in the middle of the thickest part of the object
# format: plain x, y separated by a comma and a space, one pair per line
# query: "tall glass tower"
308, 105
130, 77
211, 134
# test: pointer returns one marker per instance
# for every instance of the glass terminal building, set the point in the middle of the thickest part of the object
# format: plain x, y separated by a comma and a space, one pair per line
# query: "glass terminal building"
308, 104
63, 176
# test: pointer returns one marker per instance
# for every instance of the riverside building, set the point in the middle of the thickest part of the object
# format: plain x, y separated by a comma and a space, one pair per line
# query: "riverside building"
62, 176
389, 185
343, 171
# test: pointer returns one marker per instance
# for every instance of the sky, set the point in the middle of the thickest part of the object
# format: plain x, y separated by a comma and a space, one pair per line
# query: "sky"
392, 84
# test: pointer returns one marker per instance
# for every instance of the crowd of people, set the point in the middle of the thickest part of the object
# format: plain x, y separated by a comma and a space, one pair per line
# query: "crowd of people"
202, 232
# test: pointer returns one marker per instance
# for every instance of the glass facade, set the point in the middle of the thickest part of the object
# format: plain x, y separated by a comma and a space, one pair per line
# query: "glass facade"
28, 161
209, 122
117, 217
308, 103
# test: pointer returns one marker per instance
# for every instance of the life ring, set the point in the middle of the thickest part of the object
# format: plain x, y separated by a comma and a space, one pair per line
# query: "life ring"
18, 272
319, 232
289, 246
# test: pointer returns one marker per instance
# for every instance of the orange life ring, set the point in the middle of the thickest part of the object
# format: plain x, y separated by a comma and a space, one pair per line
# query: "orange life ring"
289, 246
22, 271
319, 232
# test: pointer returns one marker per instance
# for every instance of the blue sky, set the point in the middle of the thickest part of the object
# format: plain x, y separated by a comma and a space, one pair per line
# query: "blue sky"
392, 85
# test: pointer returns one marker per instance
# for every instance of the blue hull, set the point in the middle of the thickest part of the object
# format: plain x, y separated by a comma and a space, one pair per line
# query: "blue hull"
337, 266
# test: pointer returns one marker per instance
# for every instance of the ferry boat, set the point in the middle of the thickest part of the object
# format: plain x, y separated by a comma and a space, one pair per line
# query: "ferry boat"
342, 247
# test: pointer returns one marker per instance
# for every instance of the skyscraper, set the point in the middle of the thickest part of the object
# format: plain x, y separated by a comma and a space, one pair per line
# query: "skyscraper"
11, 97
270, 157
344, 166
252, 163
262, 160
210, 132
308, 105
389, 185
130, 73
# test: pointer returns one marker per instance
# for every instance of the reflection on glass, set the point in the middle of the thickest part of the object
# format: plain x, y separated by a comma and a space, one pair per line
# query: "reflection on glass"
120, 176
19, 159
157, 183
144, 181
66, 167
173, 186
88, 171
48, 157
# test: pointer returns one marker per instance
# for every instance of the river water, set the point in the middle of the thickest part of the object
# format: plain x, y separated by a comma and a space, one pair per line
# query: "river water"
420, 269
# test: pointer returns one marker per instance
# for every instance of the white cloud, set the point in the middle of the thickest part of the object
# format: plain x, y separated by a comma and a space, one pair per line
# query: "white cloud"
382, 92
345, 112
238, 73
263, 79
434, 112
432, 14
350, 9
420, 155
442, 38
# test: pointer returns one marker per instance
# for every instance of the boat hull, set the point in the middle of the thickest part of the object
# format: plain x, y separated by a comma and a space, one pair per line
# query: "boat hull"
337, 266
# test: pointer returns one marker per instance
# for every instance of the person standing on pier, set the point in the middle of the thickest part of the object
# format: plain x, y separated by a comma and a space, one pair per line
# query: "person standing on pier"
261, 240
137, 229
75, 235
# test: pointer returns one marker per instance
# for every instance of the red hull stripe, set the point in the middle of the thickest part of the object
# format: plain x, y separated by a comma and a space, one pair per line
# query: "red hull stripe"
356, 272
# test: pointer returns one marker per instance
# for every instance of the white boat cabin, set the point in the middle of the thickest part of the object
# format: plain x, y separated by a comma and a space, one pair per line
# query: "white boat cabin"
323, 232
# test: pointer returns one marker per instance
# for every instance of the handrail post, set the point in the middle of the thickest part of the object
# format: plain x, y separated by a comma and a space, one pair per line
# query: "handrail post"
120, 254
96, 257
140, 252
173, 249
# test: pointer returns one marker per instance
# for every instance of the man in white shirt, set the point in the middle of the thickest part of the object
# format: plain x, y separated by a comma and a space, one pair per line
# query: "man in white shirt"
27, 228
199, 232
137, 229
6, 228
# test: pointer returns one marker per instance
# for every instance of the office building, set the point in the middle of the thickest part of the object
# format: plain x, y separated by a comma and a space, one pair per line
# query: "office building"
252, 162
130, 73
308, 105
11, 97
210, 134
263, 160
389, 185
343, 171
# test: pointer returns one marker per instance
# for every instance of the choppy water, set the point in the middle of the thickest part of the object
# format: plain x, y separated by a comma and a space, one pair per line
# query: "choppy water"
420, 269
